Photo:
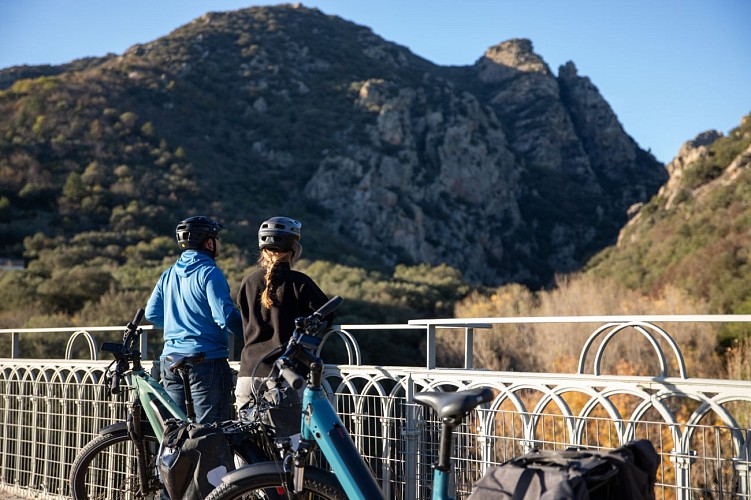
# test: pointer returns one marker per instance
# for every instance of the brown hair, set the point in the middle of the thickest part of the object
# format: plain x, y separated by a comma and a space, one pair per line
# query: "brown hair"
268, 260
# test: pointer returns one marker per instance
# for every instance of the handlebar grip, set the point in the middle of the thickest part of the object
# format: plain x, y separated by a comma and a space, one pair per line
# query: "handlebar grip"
293, 379
138, 317
329, 306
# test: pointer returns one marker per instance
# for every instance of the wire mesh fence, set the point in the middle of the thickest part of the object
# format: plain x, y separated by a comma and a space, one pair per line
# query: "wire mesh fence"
50, 409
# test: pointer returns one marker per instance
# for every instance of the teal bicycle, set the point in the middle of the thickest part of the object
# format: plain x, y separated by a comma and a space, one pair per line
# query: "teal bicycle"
293, 476
121, 461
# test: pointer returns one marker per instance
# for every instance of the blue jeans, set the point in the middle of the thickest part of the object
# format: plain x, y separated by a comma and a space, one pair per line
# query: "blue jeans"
211, 386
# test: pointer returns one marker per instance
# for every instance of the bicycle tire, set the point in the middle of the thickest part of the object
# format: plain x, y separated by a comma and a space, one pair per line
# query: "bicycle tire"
106, 468
268, 483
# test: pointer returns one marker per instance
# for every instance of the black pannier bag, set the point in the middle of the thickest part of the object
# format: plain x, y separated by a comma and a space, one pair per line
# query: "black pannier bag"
193, 459
626, 473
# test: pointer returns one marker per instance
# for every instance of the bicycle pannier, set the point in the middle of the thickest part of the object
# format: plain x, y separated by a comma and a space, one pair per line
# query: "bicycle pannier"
193, 459
626, 473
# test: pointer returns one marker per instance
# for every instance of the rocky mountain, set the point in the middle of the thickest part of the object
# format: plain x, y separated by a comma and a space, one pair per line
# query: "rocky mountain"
501, 169
694, 234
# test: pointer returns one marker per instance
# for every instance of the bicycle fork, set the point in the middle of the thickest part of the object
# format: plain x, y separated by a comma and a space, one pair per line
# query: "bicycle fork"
135, 433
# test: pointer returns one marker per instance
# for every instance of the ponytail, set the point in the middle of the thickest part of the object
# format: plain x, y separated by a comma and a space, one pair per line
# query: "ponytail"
268, 260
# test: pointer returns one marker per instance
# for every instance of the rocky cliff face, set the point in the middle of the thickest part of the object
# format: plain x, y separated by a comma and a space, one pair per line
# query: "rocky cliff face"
501, 169
508, 174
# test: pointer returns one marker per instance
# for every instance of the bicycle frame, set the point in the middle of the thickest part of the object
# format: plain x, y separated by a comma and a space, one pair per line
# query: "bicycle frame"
149, 397
321, 424
153, 399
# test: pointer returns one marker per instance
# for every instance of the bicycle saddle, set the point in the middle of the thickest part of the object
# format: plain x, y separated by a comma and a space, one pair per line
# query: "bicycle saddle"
454, 404
179, 361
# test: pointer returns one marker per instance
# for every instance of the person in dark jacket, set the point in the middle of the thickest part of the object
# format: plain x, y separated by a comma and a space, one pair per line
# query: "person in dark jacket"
191, 302
270, 298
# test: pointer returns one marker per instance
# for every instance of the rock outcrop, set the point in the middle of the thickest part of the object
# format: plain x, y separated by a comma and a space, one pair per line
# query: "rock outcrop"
501, 168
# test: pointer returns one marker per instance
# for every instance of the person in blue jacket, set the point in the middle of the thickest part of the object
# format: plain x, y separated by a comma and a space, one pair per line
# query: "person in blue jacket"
191, 302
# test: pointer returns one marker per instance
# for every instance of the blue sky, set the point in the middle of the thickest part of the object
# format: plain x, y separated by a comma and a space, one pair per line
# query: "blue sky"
669, 68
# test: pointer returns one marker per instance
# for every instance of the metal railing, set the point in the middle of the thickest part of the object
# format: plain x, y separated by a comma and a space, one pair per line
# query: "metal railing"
50, 408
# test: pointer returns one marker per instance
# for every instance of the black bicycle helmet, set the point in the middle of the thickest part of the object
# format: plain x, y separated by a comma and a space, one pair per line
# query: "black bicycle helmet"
279, 233
194, 231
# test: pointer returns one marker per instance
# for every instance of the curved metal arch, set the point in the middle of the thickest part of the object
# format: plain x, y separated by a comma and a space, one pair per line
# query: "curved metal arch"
648, 402
16, 374
438, 385
370, 383
28, 375
641, 327
93, 351
709, 404
89, 374
80, 376
549, 395
358, 399
509, 392
486, 420
400, 388
388, 404
4, 373
684, 445
353, 348
650, 338
347, 382
72, 382
744, 452
595, 399
41, 381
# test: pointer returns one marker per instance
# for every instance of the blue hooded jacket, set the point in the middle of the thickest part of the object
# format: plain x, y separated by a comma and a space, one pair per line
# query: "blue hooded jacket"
191, 302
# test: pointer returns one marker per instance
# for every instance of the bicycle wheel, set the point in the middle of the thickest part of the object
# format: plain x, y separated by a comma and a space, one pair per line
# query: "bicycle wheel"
106, 468
267, 481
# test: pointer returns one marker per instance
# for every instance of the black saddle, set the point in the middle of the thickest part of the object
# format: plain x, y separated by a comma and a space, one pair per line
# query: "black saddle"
454, 405
182, 362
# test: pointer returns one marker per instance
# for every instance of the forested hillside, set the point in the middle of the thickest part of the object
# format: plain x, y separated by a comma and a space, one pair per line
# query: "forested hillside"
419, 186
696, 233
387, 158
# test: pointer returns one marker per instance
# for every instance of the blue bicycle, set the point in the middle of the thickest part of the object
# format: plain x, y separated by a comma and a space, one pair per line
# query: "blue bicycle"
294, 477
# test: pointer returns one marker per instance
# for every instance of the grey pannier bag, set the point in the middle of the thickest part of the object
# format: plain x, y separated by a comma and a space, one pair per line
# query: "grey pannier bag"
626, 473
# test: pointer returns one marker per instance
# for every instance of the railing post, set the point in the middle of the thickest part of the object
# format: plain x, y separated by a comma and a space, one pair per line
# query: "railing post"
144, 341
15, 339
683, 463
742, 472
430, 348
469, 334
410, 435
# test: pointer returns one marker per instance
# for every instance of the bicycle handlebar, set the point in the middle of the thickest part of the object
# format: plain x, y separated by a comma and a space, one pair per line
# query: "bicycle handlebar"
115, 384
329, 307
304, 336
136, 320
295, 380
124, 352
